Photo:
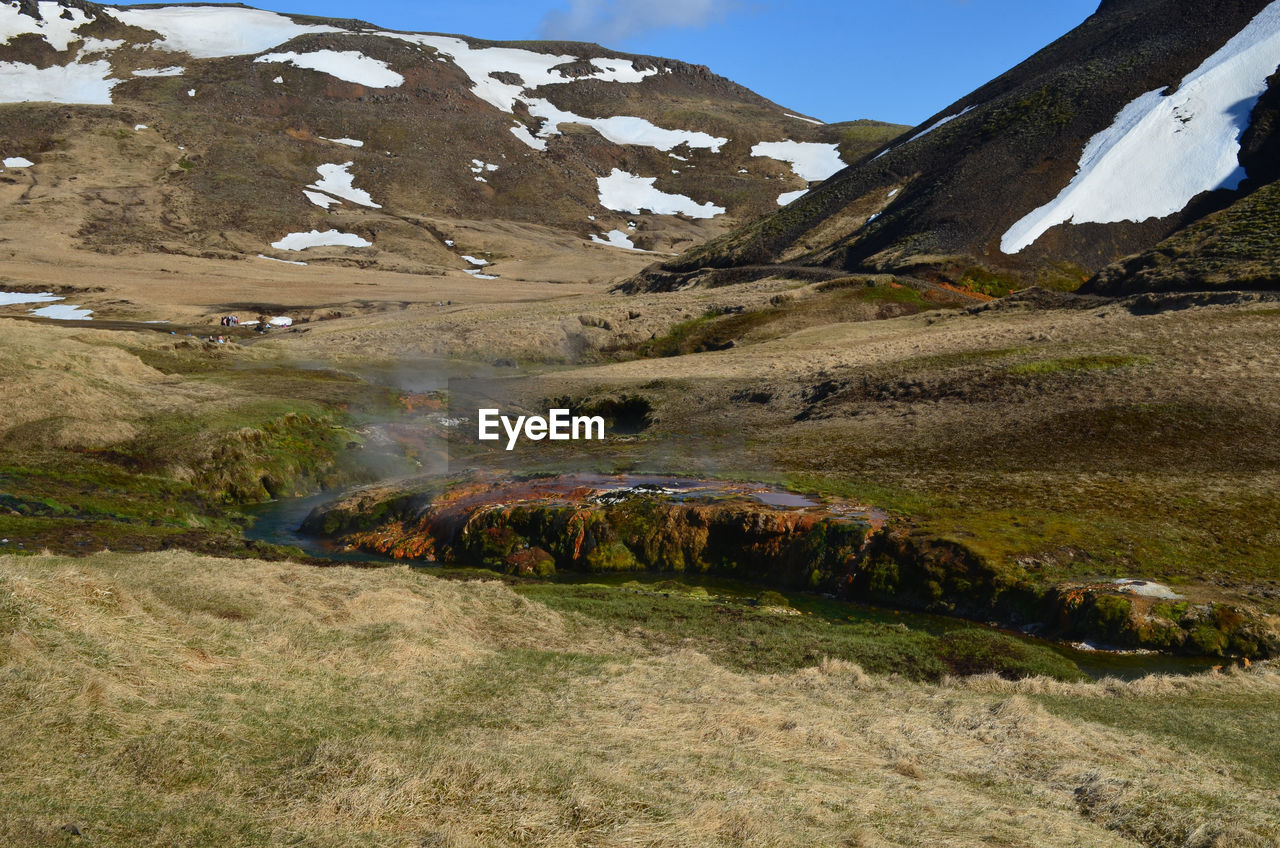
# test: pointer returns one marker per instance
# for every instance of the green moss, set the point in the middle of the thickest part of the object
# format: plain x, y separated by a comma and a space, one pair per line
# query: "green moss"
1108, 615
1208, 640
1170, 611
988, 282
610, 557
882, 577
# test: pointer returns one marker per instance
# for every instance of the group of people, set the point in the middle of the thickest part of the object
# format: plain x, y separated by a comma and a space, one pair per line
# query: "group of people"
230, 321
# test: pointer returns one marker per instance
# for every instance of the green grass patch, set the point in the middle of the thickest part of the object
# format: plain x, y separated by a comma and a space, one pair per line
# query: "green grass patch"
858, 138
1077, 364
1221, 726
755, 637
990, 283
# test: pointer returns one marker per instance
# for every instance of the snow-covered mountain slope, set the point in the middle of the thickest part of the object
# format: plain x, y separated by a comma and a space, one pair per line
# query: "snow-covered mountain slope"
226, 130
1108, 141
1166, 147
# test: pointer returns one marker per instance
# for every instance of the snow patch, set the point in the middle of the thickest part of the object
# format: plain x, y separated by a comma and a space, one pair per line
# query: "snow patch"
534, 69
55, 29
214, 32
139, 127
14, 298
349, 142
788, 197
809, 160
335, 180
18, 162
348, 65
623, 129
539, 69
171, 71
940, 123
1164, 149
619, 70
935, 125
1147, 589
63, 312
479, 276
100, 45
803, 118
324, 201
474, 261
85, 83
285, 261
626, 130
315, 238
278, 80
623, 192
617, 238
521, 132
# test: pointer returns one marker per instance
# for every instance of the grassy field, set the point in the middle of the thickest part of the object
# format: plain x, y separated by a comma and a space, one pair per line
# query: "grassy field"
159, 699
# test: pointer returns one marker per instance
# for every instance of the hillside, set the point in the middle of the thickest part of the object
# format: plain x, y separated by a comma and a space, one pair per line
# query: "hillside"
1130, 128
229, 132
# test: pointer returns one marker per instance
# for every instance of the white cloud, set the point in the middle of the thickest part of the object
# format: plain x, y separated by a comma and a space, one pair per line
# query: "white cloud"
618, 20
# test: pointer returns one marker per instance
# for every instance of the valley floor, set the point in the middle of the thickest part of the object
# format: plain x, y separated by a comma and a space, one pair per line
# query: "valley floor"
153, 696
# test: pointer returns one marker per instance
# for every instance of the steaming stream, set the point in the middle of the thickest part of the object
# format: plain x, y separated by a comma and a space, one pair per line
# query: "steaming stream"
280, 522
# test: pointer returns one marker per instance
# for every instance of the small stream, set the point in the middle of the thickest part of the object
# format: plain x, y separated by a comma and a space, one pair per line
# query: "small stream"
278, 522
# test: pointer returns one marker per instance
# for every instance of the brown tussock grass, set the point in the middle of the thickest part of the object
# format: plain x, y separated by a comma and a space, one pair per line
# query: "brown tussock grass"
168, 698
80, 387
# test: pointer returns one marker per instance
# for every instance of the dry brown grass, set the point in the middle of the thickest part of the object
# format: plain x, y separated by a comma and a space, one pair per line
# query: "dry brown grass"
170, 699
77, 387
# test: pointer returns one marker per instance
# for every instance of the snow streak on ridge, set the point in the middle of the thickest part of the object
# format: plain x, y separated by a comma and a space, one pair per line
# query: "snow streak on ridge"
1163, 150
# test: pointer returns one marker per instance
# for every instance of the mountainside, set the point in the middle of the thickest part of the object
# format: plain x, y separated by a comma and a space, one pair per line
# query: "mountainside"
225, 131
1149, 116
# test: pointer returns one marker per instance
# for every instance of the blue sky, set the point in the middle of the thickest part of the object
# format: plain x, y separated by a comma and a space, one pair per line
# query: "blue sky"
892, 60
